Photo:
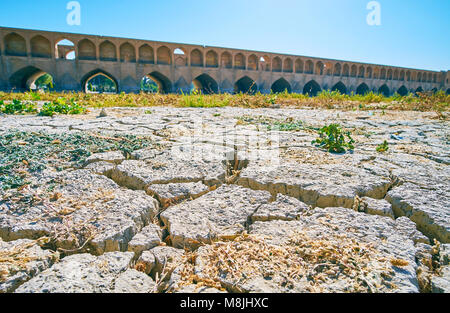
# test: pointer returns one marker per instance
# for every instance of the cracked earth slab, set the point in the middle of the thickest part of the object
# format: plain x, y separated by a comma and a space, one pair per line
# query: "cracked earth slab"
21, 260
83, 208
378, 240
85, 273
222, 213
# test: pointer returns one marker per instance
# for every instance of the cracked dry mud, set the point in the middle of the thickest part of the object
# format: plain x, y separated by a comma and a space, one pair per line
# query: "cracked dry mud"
216, 204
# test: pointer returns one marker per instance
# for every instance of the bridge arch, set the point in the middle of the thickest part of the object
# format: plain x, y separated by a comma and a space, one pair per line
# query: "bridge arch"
97, 76
287, 65
319, 68
146, 54
264, 63
239, 61
362, 89
309, 67
15, 45
164, 83
226, 60
252, 62
402, 76
206, 84
299, 66
40, 47
163, 56
276, 65
369, 72
196, 58
419, 89
448, 91
389, 74
86, 50
25, 78
384, 90
65, 49
127, 53
180, 57
312, 88
340, 87
245, 85
281, 85
402, 91
337, 69
383, 73
395, 75
362, 71
353, 71
212, 59
108, 51
346, 70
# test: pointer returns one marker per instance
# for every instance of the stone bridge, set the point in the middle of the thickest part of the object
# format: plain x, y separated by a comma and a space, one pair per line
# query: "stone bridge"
28, 54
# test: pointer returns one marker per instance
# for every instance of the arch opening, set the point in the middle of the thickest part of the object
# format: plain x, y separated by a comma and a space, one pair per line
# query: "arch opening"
239, 61
108, 51
418, 90
362, 89
31, 78
245, 85
226, 60
402, 91
384, 90
40, 47
340, 87
99, 81
127, 53
196, 58
212, 59
252, 63
164, 85
148, 85
15, 45
163, 56
281, 85
276, 64
146, 54
298, 66
65, 49
205, 84
312, 88
86, 50
287, 65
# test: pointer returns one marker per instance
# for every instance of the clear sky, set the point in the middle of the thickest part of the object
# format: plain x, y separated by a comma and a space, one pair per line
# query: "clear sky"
413, 33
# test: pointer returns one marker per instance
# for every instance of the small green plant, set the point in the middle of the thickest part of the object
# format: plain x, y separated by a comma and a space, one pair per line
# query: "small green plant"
61, 106
148, 112
383, 147
333, 138
17, 107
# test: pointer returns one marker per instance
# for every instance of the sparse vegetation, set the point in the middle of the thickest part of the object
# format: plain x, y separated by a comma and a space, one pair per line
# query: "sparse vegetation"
437, 102
333, 139
383, 147
23, 153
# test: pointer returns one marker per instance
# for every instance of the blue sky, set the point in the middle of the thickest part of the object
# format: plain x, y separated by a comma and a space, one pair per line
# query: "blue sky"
413, 33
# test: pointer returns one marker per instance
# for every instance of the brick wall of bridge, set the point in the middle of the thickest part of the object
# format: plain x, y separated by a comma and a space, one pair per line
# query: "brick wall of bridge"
26, 54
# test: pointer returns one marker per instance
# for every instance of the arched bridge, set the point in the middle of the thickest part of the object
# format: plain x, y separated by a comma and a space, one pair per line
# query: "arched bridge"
27, 54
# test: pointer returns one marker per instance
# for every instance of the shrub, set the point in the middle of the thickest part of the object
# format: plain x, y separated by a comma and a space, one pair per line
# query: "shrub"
332, 138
